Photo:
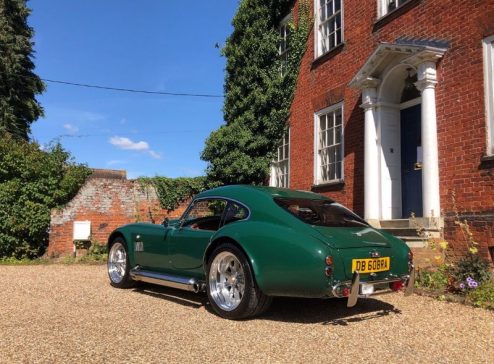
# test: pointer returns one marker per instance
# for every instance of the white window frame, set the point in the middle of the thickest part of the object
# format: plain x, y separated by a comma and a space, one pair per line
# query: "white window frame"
318, 51
382, 6
276, 176
284, 26
317, 158
488, 47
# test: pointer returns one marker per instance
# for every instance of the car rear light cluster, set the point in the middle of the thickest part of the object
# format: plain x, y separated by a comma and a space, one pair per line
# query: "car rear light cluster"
396, 286
329, 266
342, 291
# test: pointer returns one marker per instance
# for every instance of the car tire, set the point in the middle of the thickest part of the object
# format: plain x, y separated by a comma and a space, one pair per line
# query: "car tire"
118, 264
230, 285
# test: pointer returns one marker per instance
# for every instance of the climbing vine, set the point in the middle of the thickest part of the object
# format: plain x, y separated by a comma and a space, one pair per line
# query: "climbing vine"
258, 95
172, 191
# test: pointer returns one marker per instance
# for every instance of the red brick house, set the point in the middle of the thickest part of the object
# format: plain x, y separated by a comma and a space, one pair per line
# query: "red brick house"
393, 115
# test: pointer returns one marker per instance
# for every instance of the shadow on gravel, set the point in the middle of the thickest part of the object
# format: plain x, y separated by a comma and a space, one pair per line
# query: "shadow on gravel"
327, 311
296, 310
183, 298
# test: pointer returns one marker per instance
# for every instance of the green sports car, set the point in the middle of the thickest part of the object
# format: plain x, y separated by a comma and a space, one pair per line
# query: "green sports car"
244, 245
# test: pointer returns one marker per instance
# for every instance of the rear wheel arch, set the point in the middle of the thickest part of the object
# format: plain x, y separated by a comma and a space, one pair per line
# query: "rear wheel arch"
221, 240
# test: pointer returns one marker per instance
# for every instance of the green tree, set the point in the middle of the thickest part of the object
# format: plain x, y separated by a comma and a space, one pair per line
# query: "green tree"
18, 83
32, 182
257, 94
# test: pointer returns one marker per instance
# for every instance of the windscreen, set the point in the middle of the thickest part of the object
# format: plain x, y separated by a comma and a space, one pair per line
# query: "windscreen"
321, 212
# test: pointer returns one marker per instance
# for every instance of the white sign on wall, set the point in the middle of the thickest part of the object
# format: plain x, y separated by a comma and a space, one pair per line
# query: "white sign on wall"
82, 230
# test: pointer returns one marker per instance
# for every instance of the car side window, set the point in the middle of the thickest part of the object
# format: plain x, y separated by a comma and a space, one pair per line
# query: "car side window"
235, 212
205, 214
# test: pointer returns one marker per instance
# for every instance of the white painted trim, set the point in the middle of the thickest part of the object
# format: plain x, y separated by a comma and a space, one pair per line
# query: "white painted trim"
316, 144
316, 29
381, 7
289, 155
410, 103
488, 50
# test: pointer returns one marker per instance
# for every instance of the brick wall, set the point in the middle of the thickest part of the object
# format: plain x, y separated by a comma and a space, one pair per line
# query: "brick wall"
461, 119
108, 200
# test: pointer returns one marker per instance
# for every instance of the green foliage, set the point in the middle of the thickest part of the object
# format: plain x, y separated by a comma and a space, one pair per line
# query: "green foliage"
172, 191
96, 253
473, 266
433, 279
18, 84
32, 182
483, 296
257, 95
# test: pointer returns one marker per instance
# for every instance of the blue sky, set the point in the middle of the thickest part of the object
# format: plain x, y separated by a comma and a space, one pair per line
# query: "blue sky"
158, 45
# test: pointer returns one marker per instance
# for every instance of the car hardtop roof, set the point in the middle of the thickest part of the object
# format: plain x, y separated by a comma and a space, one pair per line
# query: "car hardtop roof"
239, 191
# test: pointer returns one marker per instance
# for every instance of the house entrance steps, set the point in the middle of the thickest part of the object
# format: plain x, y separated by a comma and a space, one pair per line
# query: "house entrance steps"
415, 232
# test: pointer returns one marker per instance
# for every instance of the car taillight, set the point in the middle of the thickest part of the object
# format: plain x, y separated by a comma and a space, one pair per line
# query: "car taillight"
396, 286
329, 260
345, 292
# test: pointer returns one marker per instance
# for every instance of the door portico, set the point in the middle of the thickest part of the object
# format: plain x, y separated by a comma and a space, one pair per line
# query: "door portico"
383, 80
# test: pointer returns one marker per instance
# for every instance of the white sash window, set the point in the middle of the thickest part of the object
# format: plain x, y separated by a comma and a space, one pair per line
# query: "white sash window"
281, 164
386, 6
329, 25
329, 145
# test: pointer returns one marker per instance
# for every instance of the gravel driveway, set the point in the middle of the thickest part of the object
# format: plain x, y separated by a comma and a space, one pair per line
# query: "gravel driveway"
58, 313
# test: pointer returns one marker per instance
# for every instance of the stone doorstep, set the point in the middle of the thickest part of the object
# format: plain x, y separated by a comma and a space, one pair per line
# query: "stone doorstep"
414, 231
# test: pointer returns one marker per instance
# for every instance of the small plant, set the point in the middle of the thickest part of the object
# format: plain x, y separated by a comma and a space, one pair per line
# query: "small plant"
96, 253
483, 296
469, 284
437, 279
465, 228
469, 272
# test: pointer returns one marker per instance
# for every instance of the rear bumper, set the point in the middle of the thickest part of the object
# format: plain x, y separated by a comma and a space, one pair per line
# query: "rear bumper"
356, 290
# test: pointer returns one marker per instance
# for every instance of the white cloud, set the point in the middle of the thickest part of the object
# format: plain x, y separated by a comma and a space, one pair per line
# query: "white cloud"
71, 129
155, 155
126, 143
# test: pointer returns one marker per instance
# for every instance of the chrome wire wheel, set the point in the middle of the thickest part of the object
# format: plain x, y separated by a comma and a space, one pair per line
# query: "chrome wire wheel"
117, 262
226, 281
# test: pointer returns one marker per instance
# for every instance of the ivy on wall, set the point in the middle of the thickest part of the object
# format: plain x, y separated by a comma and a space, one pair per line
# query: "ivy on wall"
257, 95
172, 191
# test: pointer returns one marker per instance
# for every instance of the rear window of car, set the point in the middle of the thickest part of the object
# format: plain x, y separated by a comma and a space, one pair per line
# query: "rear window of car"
320, 212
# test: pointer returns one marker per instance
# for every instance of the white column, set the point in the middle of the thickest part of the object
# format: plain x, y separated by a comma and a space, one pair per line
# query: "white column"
430, 166
371, 155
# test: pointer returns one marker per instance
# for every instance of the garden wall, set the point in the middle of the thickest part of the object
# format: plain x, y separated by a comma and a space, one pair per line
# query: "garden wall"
108, 200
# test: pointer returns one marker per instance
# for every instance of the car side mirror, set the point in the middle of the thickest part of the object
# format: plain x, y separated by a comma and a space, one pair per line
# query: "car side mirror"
165, 222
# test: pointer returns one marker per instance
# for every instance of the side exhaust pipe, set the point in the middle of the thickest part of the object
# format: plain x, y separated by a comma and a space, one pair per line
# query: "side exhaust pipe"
167, 280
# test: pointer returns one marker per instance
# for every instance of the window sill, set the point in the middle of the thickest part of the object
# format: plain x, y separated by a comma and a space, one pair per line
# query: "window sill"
393, 14
337, 184
330, 54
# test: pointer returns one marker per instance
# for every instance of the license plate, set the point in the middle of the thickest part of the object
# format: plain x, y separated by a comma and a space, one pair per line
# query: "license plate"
370, 265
